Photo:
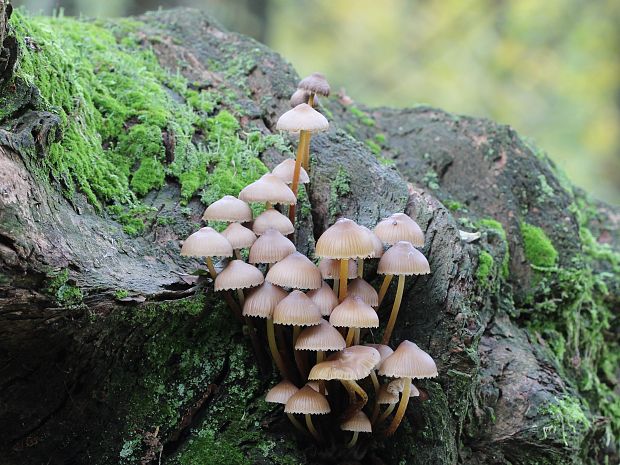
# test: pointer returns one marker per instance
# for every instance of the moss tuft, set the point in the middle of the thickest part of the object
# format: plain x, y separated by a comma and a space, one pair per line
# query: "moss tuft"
340, 187
65, 294
567, 421
485, 268
538, 248
497, 228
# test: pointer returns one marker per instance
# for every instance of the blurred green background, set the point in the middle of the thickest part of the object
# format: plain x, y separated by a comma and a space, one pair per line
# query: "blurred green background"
551, 69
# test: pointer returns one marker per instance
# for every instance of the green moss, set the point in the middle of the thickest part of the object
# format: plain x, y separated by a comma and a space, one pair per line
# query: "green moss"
374, 147
567, 421
149, 175
340, 187
538, 248
454, 206
431, 179
497, 228
362, 116
545, 189
121, 294
66, 294
380, 138
485, 268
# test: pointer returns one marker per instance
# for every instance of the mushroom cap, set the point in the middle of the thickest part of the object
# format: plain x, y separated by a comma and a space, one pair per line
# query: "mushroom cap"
403, 259
269, 188
344, 239
376, 242
363, 289
399, 227
239, 236
315, 83
387, 396
271, 247
384, 351
324, 298
320, 337
353, 312
263, 300
352, 363
238, 275
398, 385
330, 269
357, 423
302, 118
408, 361
295, 271
281, 392
315, 385
272, 219
298, 97
307, 401
228, 208
206, 242
297, 309
286, 169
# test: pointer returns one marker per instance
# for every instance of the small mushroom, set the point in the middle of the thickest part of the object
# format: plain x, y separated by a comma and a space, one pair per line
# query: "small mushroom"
295, 271
399, 227
363, 289
384, 352
378, 250
354, 313
324, 298
358, 423
270, 248
239, 237
269, 189
320, 338
208, 243
308, 402
315, 84
330, 269
298, 97
238, 275
280, 394
272, 219
286, 170
229, 209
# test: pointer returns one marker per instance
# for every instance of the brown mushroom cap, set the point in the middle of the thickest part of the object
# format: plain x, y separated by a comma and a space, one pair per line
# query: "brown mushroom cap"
272, 219
398, 385
387, 396
352, 363
361, 288
295, 271
307, 401
353, 312
344, 239
299, 96
286, 169
297, 309
376, 242
315, 83
403, 259
330, 269
357, 423
324, 298
408, 361
228, 208
239, 236
384, 351
281, 392
238, 275
206, 242
263, 300
399, 227
302, 118
320, 337
269, 188
271, 247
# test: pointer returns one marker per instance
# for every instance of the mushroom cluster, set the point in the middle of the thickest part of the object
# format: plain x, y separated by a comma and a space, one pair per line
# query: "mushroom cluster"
320, 336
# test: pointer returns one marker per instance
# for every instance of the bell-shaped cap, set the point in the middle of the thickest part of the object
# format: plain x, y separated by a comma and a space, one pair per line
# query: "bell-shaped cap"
399, 227
330, 269
352, 363
286, 169
271, 247
344, 239
299, 96
307, 401
353, 312
295, 271
239, 236
206, 242
228, 208
408, 361
361, 288
384, 350
315, 385
263, 300
320, 337
398, 385
272, 219
315, 83
376, 242
238, 275
281, 392
268, 188
324, 298
403, 259
358, 423
302, 118
297, 309
387, 396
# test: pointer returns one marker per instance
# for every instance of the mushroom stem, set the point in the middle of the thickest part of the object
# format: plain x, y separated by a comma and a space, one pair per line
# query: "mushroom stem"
238, 254
273, 347
311, 428
320, 356
296, 423
268, 205
356, 337
299, 358
211, 268
306, 159
376, 386
356, 388
241, 297
384, 287
303, 135
336, 286
350, 337
402, 407
353, 440
360, 267
344, 273
256, 345
384, 415
392, 321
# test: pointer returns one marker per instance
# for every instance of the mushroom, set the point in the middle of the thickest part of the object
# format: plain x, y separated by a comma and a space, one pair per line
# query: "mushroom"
286, 170
272, 219
229, 209
298, 97
358, 423
384, 351
295, 271
408, 361
363, 289
208, 243
269, 189
401, 259
320, 338
354, 313
313, 85
384, 397
308, 402
324, 298
239, 237
238, 275
270, 248
280, 394
344, 240
330, 269
378, 250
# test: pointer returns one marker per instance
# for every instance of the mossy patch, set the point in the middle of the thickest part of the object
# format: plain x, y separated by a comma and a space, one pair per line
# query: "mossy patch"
538, 248
485, 268
362, 116
65, 293
340, 187
568, 423
497, 228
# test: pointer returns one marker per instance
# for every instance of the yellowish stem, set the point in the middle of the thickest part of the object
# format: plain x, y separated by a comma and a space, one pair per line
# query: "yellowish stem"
268, 205
356, 337
350, 337
306, 159
402, 407
384, 287
392, 321
336, 286
241, 297
303, 135
311, 428
238, 254
344, 273
387, 413
273, 347
299, 356
353, 440
360, 267
211, 268
376, 386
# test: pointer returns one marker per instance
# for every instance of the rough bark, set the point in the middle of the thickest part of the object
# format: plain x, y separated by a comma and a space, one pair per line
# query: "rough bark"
111, 353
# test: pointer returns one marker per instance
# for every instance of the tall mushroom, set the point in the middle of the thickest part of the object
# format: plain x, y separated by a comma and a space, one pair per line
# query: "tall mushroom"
354, 313
314, 85
308, 402
401, 259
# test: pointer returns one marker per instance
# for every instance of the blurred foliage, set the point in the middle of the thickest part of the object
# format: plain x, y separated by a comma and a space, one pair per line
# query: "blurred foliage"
550, 69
